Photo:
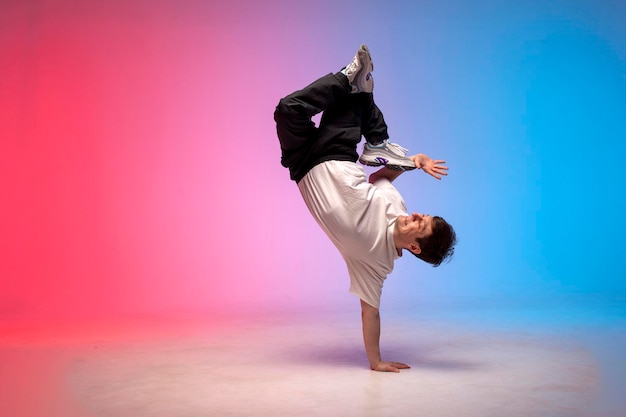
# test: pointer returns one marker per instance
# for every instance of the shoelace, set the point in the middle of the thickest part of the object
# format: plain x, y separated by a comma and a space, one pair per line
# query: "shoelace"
352, 67
395, 148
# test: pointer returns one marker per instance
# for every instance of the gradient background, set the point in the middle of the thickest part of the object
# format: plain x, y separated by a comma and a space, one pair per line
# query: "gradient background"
140, 173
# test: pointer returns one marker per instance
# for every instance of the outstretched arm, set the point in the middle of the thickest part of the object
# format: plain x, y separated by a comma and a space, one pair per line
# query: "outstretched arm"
433, 167
371, 337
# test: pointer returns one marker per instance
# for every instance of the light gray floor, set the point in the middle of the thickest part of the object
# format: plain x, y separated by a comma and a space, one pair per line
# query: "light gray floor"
312, 366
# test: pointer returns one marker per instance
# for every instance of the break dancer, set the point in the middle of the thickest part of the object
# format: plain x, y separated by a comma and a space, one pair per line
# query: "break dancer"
366, 220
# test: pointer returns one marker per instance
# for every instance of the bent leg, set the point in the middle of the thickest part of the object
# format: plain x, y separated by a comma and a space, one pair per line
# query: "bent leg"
373, 123
297, 133
378, 151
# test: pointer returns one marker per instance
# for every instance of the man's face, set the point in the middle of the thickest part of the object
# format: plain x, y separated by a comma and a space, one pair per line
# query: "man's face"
415, 226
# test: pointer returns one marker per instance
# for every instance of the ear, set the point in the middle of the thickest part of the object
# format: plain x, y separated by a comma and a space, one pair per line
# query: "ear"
415, 248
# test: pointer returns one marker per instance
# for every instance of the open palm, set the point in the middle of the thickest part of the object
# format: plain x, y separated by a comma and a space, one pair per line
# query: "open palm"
433, 167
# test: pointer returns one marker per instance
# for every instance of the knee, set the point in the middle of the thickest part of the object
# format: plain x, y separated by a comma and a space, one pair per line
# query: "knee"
282, 110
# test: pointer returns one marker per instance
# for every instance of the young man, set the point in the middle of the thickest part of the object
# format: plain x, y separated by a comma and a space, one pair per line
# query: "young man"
367, 221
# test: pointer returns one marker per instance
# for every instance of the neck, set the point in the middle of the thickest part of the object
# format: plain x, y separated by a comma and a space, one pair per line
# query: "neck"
397, 241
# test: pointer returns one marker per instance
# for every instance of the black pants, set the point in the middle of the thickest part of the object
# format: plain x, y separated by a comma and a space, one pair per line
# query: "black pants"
346, 117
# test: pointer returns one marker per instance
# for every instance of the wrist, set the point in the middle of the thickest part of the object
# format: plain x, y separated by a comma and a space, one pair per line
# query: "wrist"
417, 160
374, 365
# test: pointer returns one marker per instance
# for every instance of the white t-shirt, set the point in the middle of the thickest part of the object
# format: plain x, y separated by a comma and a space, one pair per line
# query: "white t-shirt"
359, 218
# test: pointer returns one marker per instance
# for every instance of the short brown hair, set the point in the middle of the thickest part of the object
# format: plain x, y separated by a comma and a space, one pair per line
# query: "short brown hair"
440, 245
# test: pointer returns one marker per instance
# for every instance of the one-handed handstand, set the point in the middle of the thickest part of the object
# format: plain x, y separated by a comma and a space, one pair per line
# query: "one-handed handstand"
366, 220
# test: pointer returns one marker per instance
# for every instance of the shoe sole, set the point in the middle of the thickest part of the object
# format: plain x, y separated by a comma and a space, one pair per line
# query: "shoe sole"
364, 58
384, 163
366, 50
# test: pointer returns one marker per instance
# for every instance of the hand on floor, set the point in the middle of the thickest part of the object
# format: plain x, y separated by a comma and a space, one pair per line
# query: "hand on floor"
390, 366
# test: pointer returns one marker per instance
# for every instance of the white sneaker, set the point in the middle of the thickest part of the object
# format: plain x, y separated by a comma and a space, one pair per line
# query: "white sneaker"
391, 155
359, 71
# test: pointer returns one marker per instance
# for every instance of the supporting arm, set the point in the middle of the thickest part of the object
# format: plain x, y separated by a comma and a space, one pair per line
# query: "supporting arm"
371, 337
